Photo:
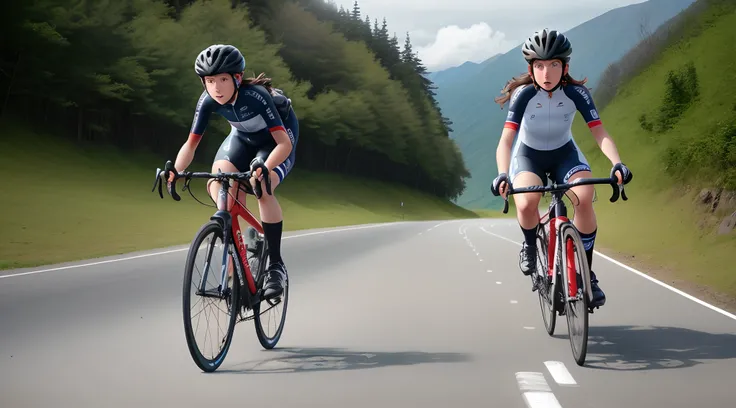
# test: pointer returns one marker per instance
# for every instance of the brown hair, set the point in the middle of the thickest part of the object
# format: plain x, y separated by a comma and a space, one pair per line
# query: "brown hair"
526, 79
261, 79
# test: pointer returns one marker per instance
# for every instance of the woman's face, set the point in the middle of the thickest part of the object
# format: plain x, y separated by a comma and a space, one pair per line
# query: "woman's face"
548, 73
220, 87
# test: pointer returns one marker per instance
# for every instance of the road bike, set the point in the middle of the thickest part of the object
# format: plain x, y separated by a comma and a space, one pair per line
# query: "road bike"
247, 294
572, 298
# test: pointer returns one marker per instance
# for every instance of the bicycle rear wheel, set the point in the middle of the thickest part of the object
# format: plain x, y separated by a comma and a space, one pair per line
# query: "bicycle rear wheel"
262, 311
575, 262
194, 285
545, 287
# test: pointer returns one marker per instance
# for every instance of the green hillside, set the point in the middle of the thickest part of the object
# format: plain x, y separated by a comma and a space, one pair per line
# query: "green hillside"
101, 93
477, 121
121, 73
90, 202
684, 142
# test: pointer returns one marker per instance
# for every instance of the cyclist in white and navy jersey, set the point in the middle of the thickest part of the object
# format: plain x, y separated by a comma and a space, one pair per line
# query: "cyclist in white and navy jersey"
543, 104
264, 134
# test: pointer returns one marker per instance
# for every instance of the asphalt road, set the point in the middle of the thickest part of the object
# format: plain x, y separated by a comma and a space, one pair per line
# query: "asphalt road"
424, 314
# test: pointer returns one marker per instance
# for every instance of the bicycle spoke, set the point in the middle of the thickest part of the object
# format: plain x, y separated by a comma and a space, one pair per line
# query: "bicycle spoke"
576, 308
208, 294
272, 306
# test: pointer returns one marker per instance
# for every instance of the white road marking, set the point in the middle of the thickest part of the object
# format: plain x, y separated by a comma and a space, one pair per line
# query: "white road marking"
442, 223
560, 373
513, 302
489, 271
532, 381
666, 286
498, 283
499, 236
541, 400
643, 275
529, 327
184, 249
535, 390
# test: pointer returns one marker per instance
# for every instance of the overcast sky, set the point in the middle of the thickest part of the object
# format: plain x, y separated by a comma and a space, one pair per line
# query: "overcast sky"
447, 33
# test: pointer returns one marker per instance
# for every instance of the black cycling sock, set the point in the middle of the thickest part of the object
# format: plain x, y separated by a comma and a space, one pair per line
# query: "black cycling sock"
530, 236
588, 244
272, 231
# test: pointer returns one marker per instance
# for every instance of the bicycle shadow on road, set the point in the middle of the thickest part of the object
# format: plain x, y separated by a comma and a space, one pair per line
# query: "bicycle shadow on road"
640, 348
300, 360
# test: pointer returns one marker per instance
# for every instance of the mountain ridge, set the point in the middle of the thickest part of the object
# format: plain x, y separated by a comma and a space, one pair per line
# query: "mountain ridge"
477, 120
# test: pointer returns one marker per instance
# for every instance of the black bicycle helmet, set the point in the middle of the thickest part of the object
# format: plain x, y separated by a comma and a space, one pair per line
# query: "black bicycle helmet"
547, 45
219, 59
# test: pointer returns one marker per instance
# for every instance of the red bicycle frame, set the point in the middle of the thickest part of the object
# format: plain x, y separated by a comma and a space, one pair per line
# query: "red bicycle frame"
557, 215
569, 251
240, 210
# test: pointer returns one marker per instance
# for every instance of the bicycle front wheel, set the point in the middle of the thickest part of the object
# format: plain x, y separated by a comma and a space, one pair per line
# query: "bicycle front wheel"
545, 285
207, 288
575, 266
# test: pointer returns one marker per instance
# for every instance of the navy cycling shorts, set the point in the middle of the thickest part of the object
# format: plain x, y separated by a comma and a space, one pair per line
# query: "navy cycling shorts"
560, 164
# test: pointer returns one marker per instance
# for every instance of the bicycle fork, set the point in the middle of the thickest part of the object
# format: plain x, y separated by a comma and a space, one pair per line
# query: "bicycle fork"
566, 264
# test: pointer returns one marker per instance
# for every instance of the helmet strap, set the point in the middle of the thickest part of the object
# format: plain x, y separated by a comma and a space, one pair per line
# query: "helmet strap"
236, 86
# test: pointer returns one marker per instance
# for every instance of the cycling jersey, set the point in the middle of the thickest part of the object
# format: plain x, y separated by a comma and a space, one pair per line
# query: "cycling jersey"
544, 122
252, 117
254, 114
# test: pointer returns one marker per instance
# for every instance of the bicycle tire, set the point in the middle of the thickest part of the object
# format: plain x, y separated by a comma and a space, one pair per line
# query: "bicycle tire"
202, 362
266, 342
547, 306
580, 350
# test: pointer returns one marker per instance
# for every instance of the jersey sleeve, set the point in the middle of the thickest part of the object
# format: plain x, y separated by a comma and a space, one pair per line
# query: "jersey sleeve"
262, 103
519, 100
584, 103
201, 114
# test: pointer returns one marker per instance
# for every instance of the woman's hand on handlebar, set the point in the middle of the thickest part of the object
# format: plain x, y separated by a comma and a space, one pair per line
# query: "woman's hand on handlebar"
500, 185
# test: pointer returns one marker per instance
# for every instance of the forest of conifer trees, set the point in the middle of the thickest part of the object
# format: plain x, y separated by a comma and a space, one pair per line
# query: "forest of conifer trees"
120, 72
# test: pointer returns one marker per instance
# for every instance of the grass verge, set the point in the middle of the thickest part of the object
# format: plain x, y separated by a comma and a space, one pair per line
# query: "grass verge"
63, 203
661, 228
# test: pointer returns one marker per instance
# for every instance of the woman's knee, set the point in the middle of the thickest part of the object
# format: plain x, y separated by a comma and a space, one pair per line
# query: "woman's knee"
584, 195
527, 203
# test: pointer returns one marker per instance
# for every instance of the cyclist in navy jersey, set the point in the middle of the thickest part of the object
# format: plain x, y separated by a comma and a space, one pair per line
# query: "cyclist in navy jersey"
543, 105
264, 134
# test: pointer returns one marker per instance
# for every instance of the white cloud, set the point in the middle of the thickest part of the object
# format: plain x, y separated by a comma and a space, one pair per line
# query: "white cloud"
454, 45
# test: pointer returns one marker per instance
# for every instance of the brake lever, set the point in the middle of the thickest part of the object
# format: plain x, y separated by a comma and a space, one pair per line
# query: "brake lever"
506, 199
156, 179
267, 176
615, 189
621, 188
172, 192
257, 189
157, 183
170, 187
